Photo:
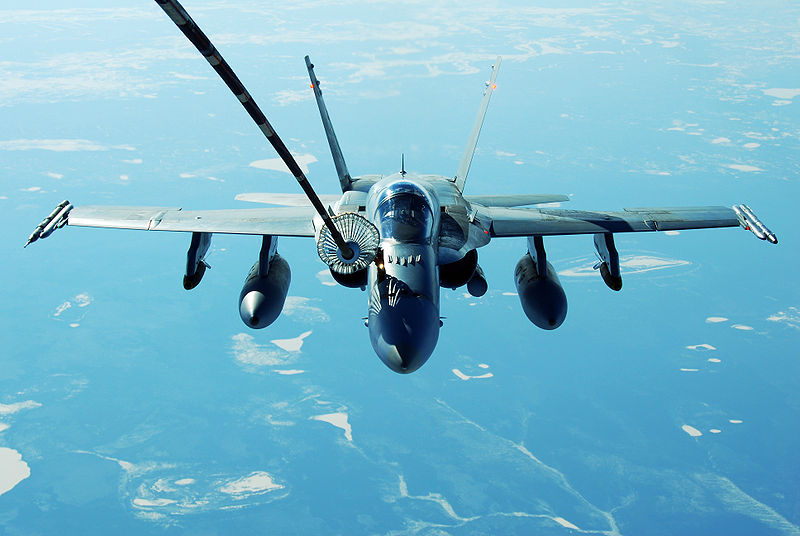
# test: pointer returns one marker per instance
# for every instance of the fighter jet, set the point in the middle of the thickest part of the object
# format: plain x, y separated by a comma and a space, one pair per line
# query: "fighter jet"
401, 237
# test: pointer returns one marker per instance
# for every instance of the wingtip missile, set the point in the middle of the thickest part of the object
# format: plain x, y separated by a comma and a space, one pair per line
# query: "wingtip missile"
55, 220
749, 221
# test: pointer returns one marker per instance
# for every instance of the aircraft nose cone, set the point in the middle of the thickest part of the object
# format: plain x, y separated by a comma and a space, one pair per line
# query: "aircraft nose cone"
402, 359
405, 333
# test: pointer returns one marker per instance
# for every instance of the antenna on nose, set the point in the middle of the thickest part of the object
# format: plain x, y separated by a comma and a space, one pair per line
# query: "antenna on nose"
403, 164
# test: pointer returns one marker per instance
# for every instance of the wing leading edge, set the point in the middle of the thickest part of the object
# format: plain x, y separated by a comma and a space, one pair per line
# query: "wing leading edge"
284, 221
553, 221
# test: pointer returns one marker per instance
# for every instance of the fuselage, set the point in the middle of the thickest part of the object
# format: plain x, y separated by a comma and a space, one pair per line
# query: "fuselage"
403, 281
424, 222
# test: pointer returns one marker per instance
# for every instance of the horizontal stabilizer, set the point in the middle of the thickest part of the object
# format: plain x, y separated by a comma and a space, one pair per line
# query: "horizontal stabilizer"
286, 200
519, 200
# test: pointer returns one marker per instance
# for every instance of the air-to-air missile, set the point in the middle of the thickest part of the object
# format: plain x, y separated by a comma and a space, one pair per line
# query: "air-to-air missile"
750, 221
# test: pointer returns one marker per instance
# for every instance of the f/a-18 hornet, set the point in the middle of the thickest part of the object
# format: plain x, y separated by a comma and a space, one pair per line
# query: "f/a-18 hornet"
401, 236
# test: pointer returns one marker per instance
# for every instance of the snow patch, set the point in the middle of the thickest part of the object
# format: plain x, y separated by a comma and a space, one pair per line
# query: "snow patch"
782, 93
464, 377
744, 167
633, 264
339, 420
82, 300
563, 522
138, 501
61, 308
790, 317
291, 345
13, 469
256, 483
289, 372
691, 430
701, 347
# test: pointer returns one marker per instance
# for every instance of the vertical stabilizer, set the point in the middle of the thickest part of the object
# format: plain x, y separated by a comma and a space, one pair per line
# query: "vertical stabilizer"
466, 159
336, 151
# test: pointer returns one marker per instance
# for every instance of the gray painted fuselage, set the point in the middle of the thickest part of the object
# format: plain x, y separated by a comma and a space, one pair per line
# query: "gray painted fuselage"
424, 222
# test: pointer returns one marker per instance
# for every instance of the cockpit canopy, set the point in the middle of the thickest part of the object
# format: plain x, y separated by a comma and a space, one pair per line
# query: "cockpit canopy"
404, 214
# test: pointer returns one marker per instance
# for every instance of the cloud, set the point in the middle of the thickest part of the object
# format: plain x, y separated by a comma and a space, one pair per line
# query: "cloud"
285, 97
248, 352
276, 164
302, 310
58, 145
326, 278
10, 409
68, 17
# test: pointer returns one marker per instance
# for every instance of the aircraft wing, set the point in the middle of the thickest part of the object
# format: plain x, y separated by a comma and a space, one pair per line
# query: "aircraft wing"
284, 221
556, 221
